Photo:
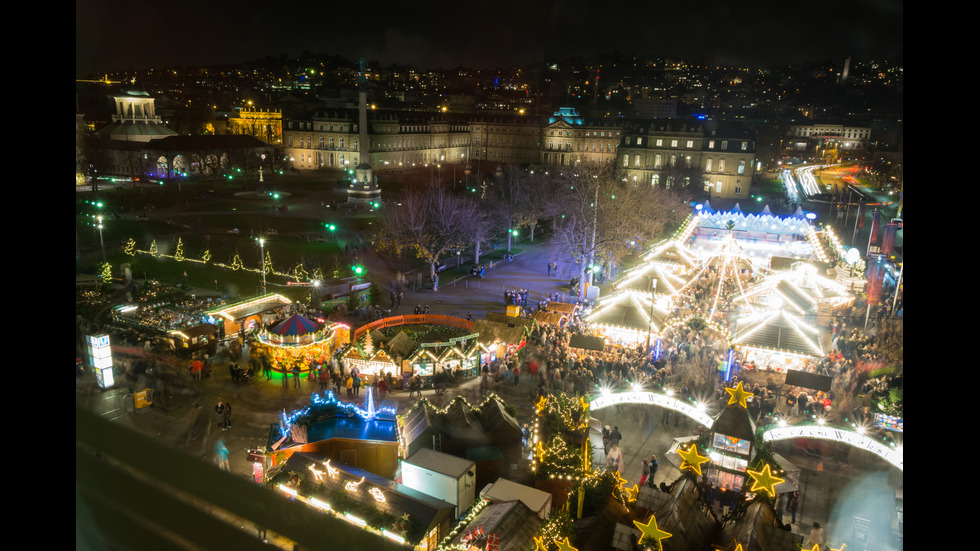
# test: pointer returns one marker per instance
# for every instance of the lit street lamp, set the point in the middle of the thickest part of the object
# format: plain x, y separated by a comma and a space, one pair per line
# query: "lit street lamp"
262, 261
99, 218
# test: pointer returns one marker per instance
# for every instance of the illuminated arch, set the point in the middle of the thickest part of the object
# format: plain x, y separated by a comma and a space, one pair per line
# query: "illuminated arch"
606, 399
892, 454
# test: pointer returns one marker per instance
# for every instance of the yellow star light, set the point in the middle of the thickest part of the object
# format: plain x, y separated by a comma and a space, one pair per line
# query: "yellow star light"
738, 395
764, 480
816, 547
842, 547
622, 481
541, 404
691, 459
651, 532
632, 493
565, 545
539, 544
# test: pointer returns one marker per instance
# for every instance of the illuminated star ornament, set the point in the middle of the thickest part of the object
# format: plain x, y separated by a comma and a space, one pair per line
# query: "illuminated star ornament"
541, 404
565, 545
539, 544
691, 459
632, 493
622, 481
650, 532
765, 480
738, 395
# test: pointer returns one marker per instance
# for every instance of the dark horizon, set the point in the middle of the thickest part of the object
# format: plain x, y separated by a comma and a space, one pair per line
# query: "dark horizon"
114, 36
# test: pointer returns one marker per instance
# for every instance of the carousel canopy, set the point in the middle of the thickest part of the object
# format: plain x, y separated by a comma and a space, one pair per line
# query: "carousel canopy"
295, 326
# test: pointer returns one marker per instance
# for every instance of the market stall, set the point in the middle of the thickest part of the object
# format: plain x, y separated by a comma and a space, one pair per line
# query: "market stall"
778, 340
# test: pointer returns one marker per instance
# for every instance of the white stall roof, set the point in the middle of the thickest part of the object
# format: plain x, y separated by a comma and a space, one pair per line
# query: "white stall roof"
441, 463
505, 490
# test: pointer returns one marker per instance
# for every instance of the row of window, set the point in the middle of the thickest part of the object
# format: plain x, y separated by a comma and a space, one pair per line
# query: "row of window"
689, 144
658, 163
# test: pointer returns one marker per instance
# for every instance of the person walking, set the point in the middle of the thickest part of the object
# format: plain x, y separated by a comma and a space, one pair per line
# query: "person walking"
296, 375
221, 454
646, 472
226, 417
219, 413
653, 471
615, 436
350, 387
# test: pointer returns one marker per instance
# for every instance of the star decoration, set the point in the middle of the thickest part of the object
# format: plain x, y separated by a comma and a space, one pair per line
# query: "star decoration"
765, 480
565, 545
632, 493
816, 547
691, 458
738, 395
651, 532
541, 404
842, 547
622, 481
539, 544
539, 451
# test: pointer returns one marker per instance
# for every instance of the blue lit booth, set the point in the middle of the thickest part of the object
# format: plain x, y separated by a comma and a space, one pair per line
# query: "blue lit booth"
363, 436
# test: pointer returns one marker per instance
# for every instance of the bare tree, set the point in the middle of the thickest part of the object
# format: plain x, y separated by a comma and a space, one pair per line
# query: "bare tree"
599, 214
429, 221
509, 196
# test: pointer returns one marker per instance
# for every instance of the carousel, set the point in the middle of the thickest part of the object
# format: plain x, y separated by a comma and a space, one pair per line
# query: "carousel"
299, 340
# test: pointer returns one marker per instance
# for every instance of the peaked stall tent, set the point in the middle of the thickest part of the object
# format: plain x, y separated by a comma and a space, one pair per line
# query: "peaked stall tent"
778, 340
627, 317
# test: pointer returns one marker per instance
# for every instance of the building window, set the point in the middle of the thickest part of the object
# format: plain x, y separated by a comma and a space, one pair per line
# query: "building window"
657, 161
718, 186
636, 162
738, 190
673, 160
673, 143
321, 142
341, 143
721, 165
627, 140
741, 167
690, 144
724, 145
745, 146
655, 180
626, 160
639, 141
660, 142
711, 144
707, 165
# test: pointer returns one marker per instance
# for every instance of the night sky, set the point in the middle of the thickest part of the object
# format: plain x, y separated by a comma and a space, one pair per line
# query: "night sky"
138, 34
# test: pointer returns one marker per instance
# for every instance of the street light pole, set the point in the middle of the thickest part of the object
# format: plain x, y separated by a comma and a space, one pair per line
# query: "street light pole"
653, 287
101, 242
262, 261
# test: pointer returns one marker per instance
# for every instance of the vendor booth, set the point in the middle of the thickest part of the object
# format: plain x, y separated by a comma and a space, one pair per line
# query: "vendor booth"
628, 317
247, 315
200, 339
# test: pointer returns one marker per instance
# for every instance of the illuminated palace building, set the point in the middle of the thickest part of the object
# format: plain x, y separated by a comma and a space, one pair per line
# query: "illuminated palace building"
653, 152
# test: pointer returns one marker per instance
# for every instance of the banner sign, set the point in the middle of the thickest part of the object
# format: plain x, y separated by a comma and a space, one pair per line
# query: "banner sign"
895, 456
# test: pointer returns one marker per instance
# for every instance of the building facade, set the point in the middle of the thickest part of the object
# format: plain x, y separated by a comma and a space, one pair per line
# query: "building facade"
654, 152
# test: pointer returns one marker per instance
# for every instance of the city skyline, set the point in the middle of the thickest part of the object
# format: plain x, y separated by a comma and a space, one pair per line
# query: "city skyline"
111, 36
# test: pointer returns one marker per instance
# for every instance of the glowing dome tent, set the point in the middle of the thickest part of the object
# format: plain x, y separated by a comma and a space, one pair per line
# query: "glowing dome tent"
627, 317
801, 289
778, 340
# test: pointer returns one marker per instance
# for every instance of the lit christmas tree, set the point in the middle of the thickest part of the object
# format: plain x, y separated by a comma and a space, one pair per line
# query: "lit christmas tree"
300, 273
130, 247
153, 248
179, 254
236, 263
206, 257
318, 274
106, 274
267, 265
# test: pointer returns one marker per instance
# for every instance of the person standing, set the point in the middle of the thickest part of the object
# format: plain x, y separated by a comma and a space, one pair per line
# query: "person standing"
357, 385
794, 504
226, 417
646, 472
615, 436
653, 471
549, 269
382, 387
817, 536
350, 387
296, 375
